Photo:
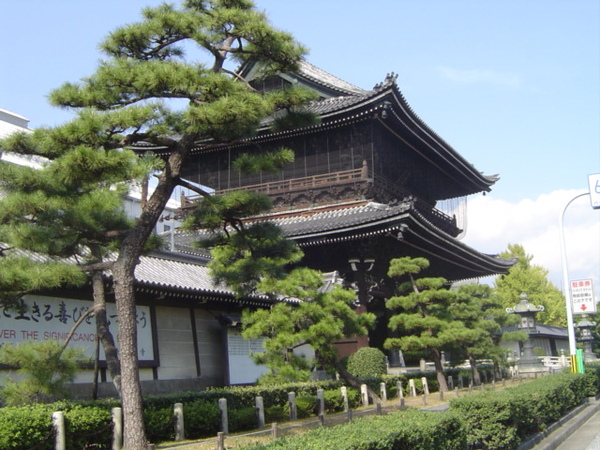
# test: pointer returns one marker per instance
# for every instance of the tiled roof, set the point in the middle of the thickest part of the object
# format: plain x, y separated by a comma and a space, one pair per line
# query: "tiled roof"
298, 224
545, 330
161, 271
319, 76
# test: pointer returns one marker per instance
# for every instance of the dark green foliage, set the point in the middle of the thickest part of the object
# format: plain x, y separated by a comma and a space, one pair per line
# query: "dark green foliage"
242, 419
335, 403
306, 405
88, 427
202, 418
275, 413
159, 424
367, 362
409, 430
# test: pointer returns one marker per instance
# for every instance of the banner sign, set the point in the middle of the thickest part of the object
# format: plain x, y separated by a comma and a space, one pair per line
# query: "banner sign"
51, 318
594, 184
582, 297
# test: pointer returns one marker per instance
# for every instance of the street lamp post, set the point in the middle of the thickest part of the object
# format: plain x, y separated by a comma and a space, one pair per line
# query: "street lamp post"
566, 289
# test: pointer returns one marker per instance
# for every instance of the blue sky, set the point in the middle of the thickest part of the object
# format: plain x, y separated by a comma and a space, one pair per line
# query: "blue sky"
512, 85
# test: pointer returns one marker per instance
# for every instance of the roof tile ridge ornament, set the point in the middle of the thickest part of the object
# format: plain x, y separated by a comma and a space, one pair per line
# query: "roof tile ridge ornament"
390, 80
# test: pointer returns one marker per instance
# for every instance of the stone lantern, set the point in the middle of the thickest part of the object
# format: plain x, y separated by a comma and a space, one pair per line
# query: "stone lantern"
585, 335
528, 362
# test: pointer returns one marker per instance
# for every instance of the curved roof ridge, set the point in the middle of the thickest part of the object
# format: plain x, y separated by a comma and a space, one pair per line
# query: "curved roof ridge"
322, 77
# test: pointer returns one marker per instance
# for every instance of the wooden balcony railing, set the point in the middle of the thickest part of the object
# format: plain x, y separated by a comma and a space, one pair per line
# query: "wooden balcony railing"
294, 184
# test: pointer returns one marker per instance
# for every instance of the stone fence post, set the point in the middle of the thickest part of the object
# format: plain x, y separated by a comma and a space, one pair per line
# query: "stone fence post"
224, 418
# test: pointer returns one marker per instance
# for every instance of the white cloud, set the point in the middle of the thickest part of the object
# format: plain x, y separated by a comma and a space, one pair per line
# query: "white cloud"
477, 76
493, 224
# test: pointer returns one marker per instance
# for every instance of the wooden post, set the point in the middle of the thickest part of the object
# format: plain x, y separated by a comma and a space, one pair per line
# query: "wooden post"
117, 420
224, 419
260, 412
274, 430
58, 422
179, 428
220, 440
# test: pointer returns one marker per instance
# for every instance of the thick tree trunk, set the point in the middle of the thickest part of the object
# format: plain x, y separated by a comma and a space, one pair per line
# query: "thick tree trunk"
103, 332
474, 371
436, 355
134, 433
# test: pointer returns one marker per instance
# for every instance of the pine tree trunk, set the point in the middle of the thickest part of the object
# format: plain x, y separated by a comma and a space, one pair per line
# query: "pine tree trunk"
134, 434
474, 371
436, 355
103, 332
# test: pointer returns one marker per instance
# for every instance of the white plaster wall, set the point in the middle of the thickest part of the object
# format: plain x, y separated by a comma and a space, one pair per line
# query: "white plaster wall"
175, 342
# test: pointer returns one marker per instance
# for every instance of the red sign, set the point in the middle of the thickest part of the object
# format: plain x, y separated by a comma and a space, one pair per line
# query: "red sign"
582, 297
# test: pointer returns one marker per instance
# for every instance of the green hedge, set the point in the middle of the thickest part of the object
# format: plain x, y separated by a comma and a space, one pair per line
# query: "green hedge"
493, 420
31, 427
503, 419
407, 430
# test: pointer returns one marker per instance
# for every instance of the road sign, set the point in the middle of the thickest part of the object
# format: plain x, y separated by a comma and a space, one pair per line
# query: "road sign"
594, 182
582, 297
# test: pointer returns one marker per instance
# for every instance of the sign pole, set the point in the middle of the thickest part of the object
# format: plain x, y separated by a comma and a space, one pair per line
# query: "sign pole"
566, 285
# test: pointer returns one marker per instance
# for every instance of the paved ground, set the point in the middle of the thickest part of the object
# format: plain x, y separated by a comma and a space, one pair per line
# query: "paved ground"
581, 432
586, 437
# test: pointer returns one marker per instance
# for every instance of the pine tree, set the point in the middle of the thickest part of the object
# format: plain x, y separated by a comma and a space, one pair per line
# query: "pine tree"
481, 311
255, 258
147, 90
422, 315
319, 319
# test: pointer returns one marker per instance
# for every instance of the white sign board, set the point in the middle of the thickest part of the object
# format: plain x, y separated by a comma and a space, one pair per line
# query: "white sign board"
582, 297
51, 318
594, 182
242, 368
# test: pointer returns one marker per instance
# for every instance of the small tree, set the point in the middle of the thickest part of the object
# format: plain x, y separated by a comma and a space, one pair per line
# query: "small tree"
422, 315
480, 310
44, 369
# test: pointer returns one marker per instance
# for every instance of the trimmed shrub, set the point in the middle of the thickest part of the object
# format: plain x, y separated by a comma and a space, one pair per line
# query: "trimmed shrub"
159, 424
408, 430
202, 419
306, 405
503, 419
367, 362
88, 427
26, 427
242, 419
